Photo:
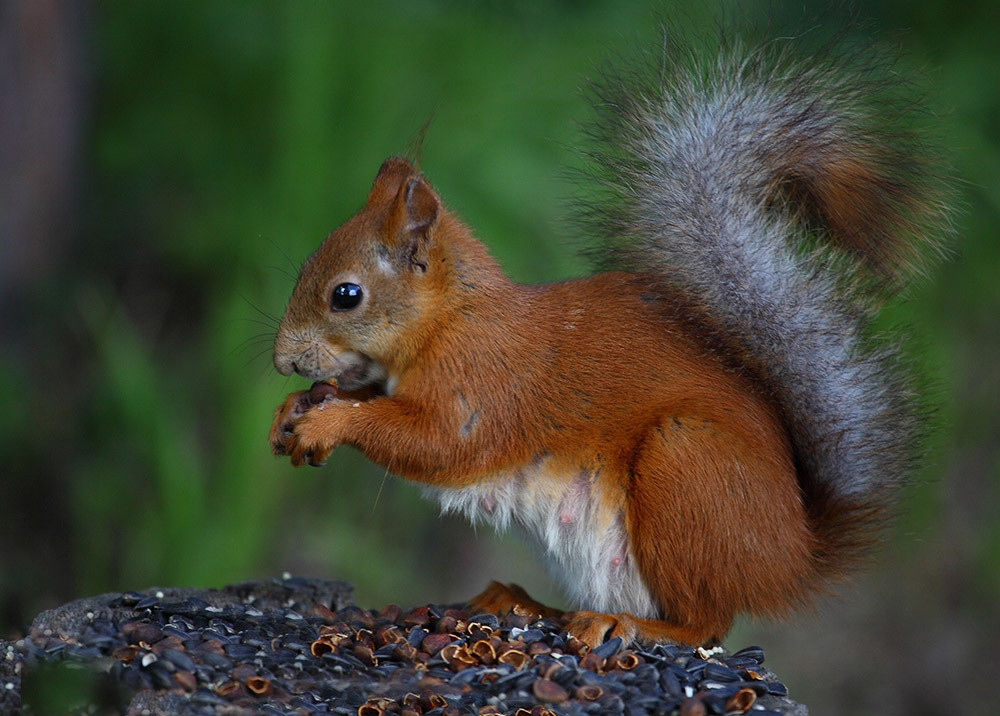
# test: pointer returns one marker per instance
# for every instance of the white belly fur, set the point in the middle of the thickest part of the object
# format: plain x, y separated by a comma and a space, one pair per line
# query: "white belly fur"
582, 536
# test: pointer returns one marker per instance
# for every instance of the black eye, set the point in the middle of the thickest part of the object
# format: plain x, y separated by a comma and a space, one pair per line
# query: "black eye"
346, 296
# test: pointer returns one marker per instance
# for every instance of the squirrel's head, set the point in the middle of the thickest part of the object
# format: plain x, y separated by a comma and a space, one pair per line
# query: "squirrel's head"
361, 299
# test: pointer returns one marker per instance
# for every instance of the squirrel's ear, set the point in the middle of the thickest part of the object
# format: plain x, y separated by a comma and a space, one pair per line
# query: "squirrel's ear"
390, 178
410, 221
422, 206
413, 209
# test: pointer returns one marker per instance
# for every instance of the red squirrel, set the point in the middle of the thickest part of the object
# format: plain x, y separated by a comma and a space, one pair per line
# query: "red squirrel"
706, 428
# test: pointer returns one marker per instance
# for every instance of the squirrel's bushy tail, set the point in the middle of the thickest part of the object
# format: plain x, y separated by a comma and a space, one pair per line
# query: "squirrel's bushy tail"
786, 200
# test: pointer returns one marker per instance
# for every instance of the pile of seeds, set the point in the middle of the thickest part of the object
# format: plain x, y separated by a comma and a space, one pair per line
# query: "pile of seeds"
298, 646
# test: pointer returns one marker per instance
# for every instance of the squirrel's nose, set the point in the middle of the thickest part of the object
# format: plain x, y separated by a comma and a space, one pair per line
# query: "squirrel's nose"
285, 366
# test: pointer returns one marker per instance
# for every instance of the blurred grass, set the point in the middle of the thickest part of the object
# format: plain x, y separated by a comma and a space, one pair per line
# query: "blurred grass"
225, 140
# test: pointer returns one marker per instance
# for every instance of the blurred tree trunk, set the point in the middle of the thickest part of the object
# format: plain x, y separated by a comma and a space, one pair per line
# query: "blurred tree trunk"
43, 106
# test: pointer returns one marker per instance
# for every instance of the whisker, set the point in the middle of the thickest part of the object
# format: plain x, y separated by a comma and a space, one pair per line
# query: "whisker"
260, 354
284, 272
263, 341
258, 322
379, 493
295, 267
271, 319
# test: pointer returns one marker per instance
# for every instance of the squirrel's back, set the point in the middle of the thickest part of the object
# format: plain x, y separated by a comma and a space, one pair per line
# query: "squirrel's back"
786, 200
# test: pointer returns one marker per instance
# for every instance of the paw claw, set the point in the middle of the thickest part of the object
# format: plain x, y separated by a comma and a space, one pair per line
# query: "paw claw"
314, 460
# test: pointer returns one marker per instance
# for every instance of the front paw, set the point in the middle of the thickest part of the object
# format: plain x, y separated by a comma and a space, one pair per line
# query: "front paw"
295, 431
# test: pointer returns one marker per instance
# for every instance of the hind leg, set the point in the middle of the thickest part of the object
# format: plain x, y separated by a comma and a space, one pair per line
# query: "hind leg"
594, 628
717, 528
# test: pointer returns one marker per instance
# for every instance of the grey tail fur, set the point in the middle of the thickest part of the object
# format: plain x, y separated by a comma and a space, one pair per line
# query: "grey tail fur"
786, 201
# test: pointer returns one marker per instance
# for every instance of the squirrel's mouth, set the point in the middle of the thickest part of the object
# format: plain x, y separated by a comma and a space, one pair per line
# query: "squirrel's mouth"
350, 370
356, 370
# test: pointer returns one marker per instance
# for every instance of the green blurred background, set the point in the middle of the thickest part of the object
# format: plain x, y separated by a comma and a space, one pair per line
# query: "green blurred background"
165, 169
